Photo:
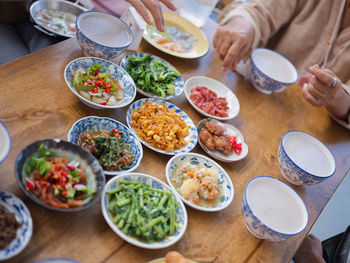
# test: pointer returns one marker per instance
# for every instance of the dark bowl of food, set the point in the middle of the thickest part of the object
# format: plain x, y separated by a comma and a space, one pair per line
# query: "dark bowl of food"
59, 175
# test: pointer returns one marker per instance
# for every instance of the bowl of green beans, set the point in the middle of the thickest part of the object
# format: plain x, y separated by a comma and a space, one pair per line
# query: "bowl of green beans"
143, 211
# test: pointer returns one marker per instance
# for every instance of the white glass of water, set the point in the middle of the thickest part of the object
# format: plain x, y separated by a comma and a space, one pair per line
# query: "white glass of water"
197, 11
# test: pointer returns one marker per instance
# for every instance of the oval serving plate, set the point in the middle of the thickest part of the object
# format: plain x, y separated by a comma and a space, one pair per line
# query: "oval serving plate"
162, 260
199, 49
220, 89
157, 184
191, 137
197, 159
94, 173
116, 72
178, 82
230, 130
103, 123
14, 205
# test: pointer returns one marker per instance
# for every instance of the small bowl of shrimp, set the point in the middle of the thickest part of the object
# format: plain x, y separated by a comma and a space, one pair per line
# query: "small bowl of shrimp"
200, 182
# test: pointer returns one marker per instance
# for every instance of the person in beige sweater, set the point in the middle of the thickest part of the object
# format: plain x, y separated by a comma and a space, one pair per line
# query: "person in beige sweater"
312, 33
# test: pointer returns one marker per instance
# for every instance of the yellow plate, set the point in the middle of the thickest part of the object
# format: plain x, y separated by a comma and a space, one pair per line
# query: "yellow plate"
162, 260
200, 47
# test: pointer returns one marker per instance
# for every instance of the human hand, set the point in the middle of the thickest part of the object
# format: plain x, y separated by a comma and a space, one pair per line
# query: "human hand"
310, 251
233, 40
320, 91
155, 8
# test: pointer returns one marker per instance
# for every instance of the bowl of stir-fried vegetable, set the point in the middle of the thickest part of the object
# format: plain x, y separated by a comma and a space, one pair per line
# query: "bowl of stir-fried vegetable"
99, 83
59, 175
154, 77
117, 149
143, 211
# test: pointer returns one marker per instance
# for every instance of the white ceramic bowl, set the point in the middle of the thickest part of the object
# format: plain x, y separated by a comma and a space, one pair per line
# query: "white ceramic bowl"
5, 142
115, 72
224, 179
230, 130
270, 71
102, 35
103, 123
220, 89
303, 159
154, 183
272, 210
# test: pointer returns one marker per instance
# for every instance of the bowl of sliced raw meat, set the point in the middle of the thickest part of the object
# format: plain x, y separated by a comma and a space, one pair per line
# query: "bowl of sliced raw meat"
211, 98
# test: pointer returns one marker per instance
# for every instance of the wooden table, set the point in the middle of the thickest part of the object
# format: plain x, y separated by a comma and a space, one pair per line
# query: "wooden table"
37, 104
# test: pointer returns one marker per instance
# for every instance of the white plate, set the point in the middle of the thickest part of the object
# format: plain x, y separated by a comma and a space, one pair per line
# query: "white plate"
154, 183
220, 89
224, 179
178, 82
5, 142
230, 130
191, 137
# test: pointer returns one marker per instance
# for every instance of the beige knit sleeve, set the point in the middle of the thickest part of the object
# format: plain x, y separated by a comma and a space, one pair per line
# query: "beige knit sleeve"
268, 16
346, 124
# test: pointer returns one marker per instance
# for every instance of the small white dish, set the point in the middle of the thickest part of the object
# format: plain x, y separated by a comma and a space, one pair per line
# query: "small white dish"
220, 89
224, 179
303, 159
272, 210
15, 205
5, 142
154, 183
230, 130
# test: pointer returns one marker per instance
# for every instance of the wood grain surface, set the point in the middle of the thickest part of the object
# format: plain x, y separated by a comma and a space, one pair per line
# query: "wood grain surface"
35, 103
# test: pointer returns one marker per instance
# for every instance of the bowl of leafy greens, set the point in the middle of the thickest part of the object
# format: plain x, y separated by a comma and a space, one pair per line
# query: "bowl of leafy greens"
153, 76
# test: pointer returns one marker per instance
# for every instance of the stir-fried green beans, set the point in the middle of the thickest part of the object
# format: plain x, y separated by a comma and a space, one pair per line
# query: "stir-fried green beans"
152, 75
143, 212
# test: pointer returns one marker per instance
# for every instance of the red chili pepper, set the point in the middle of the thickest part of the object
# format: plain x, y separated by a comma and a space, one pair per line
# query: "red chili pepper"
237, 147
70, 167
115, 130
91, 149
30, 185
103, 103
95, 72
64, 193
123, 161
64, 174
107, 90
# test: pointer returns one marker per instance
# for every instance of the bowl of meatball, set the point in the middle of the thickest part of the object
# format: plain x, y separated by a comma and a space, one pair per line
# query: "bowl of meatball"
200, 182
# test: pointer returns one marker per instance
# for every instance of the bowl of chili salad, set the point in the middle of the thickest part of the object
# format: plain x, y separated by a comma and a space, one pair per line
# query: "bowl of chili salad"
117, 149
59, 175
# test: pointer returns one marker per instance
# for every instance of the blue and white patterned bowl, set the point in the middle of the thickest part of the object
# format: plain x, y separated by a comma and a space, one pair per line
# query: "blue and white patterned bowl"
115, 72
270, 71
57, 260
5, 142
197, 159
303, 159
192, 137
13, 204
102, 35
178, 82
154, 183
103, 123
272, 210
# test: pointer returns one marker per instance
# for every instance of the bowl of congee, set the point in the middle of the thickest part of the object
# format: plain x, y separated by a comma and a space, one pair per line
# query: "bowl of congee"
200, 182
99, 83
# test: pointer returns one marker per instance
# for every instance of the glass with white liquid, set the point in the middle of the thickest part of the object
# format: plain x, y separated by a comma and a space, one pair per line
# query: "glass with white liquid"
197, 11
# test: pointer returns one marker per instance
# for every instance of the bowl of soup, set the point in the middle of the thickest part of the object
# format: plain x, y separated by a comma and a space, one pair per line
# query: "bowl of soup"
270, 71
303, 159
102, 35
272, 210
